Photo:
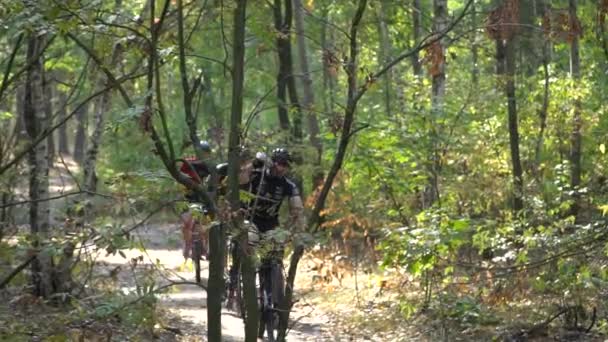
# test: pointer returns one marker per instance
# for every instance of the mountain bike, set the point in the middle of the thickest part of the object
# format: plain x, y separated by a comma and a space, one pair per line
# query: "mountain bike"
272, 284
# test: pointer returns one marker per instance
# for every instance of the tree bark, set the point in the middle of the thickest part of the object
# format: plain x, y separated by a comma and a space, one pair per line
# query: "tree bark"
35, 120
308, 101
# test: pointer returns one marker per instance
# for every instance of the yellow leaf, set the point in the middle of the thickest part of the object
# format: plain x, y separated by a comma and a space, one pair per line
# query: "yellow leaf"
603, 148
310, 5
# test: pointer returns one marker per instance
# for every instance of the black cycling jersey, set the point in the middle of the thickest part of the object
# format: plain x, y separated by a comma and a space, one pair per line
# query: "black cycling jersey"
264, 207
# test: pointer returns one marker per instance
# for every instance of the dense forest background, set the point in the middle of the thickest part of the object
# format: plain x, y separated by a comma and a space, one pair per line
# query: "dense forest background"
451, 153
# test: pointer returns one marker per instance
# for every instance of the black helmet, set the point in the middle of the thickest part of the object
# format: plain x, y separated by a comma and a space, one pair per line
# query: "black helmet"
281, 156
204, 146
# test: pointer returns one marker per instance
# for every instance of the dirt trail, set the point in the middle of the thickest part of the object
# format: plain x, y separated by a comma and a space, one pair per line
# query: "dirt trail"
188, 303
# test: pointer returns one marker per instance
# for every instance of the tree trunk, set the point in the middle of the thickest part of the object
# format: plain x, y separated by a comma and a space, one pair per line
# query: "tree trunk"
384, 56
440, 17
81, 133
247, 263
308, 101
417, 29
518, 182
329, 70
474, 52
102, 107
577, 121
542, 113
284, 50
285, 56
35, 120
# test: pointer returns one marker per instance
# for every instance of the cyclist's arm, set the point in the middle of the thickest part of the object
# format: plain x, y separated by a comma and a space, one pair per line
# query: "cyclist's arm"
296, 213
296, 207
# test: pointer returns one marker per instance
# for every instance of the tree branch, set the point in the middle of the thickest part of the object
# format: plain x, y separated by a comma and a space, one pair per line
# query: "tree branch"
103, 68
9, 65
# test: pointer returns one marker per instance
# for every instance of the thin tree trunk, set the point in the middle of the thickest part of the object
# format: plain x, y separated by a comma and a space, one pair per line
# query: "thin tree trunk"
542, 112
440, 17
518, 183
577, 121
308, 101
384, 56
35, 123
247, 264
329, 71
102, 107
282, 27
297, 133
417, 30
474, 52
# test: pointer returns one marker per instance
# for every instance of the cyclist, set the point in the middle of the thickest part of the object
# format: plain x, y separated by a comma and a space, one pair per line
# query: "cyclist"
196, 170
266, 180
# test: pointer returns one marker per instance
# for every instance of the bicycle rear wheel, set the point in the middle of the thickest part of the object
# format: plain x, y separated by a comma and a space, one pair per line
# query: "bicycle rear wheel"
268, 317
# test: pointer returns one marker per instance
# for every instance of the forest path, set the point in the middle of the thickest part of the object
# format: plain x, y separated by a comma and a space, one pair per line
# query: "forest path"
186, 304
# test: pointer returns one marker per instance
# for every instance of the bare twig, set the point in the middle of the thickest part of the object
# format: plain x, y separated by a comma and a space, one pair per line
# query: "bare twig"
17, 270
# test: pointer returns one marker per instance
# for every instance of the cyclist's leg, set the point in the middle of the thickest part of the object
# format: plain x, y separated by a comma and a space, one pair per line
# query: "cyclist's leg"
187, 228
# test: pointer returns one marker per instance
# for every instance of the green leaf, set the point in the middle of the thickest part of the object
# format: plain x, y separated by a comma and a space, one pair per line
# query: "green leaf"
245, 196
6, 115
460, 225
